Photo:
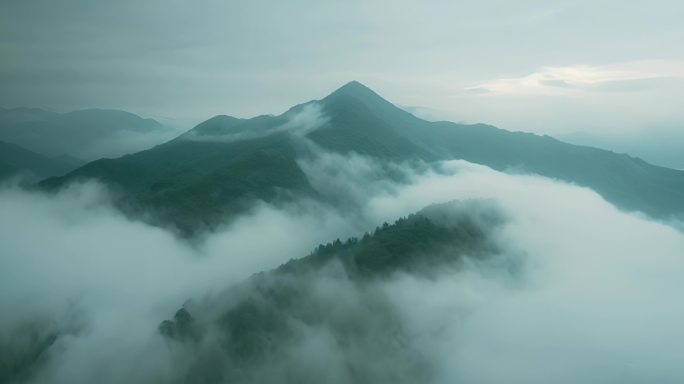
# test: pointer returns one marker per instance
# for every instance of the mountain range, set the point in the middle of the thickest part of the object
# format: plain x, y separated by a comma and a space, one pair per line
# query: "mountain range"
219, 168
85, 134
660, 145
331, 315
15, 161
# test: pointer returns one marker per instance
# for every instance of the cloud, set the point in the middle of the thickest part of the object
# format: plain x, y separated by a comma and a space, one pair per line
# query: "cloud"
300, 122
352, 179
573, 80
596, 297
597, 300
306, 120
103, 283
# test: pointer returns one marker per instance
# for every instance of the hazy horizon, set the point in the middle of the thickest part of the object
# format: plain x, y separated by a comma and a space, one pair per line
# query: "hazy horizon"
546, 67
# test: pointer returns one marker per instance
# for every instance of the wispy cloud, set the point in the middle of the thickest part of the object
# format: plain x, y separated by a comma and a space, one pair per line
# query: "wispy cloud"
301, 122
568, 80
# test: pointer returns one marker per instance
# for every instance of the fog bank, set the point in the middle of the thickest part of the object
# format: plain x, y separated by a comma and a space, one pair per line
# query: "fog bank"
596, 298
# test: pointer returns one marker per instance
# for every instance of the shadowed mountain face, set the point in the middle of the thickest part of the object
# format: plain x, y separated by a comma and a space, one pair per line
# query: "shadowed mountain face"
15, 160
224, 164
87, 134
193, 185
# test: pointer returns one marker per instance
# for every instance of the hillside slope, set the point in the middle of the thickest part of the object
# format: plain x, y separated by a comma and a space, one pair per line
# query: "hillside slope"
15, 160
218, 168
255, 331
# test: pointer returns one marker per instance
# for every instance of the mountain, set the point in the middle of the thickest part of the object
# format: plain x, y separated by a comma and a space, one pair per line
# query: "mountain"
661, 145
15, 160
87, 134
223, 165
243, 333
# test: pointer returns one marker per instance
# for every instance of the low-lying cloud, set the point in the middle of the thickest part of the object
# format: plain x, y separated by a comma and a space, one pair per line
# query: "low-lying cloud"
123, 143
72, 258
596, 298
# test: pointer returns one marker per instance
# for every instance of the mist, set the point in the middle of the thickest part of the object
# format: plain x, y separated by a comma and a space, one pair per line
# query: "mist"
105, 282
595, 296
597, 300
657, 145
123, 143
302, 120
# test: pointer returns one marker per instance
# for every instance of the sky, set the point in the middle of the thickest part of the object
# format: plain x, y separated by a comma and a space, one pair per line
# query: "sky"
554, 67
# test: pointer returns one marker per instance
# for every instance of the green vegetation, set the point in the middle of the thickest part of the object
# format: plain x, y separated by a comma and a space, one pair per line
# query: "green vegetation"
15, 160
193, 185
23, 350
411, 244
268, 318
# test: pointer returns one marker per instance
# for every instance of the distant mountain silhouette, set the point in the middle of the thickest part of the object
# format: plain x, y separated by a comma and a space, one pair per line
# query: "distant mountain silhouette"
15, 160
87, 134
661, 145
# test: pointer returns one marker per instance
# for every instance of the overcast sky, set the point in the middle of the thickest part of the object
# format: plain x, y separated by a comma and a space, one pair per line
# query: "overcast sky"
543, 66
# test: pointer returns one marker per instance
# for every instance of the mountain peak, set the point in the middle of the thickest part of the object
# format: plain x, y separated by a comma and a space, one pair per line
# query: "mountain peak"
355, 85
356, 92
356, 89
353, 95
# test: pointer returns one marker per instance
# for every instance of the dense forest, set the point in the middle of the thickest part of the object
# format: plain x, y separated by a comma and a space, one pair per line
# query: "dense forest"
253, 331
